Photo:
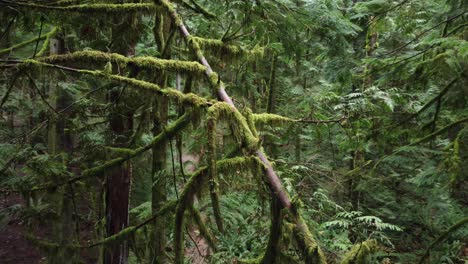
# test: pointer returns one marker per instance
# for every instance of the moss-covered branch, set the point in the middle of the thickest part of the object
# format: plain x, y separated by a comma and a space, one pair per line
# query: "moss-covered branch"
360, 253
149, 63
168, 133
438, 132
204, 231
86, 8
218, 46
442, 237
122, 235
27, 42
239, 124
196, 183
189, 99
275, 119
116, 238
126, 154
213, 174
310, 249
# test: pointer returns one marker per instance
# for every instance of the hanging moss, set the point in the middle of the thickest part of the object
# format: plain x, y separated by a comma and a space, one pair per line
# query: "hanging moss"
179, 97
242, 132
45, 46
147, 8
271, 119
227, 50
305, 240
123, 62
361, 253
213, 174
169, 132
195, 183
247, 112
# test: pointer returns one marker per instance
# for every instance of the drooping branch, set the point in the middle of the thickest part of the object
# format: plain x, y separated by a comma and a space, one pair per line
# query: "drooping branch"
312, 251
127, 154
27, 42
148, 63
86, 8
122, 235
442, 237
195, 183
213, 174
187, 99
433, 100
217, 45
359, 253
440, 131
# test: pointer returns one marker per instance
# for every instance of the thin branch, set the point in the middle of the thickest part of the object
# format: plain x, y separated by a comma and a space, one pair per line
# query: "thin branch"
422, 33
38, 37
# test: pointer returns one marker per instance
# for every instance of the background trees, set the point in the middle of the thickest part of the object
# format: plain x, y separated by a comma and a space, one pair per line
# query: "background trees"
111, 114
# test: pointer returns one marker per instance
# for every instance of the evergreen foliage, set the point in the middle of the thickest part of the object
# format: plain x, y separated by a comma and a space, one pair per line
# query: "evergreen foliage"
292, 131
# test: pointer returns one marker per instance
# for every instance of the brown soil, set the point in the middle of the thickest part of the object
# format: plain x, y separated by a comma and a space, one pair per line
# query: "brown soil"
14, 248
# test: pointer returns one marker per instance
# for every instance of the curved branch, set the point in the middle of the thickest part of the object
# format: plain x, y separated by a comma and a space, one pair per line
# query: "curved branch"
86, 8
442, 237
123, 61
273, 180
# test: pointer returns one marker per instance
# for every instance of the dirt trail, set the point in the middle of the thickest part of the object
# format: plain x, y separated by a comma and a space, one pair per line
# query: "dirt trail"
199, 252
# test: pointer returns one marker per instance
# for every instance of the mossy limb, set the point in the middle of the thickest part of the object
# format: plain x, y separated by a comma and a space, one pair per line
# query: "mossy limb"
150, 63
147, 8
361, 253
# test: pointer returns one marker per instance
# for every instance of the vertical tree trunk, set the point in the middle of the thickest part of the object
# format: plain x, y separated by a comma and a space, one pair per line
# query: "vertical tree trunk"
162, 32
159, 179
118, 181
59, 139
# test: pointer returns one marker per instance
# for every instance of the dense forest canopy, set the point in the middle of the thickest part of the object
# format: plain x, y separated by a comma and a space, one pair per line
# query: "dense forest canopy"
243, 131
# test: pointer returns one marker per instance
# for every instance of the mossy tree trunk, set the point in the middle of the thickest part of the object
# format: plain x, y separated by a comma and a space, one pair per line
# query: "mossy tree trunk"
118, 179
59, 140
162, 34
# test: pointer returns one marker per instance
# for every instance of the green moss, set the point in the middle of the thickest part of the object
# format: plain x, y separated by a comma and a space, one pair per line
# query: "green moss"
119, 237
169, 132
195, 183
190, 99
224, 112
27, 42
124, 152
271, 119
250, 261
361, 253
45, 46
92, 8
228, 50
123, 62
304, 238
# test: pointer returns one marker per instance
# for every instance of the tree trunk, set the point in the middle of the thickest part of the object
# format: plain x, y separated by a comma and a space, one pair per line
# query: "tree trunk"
162, 31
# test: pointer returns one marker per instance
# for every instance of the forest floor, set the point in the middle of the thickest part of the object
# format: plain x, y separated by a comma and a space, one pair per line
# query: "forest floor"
14, 248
